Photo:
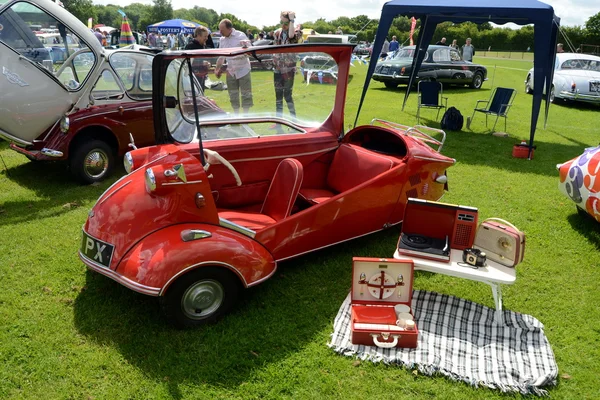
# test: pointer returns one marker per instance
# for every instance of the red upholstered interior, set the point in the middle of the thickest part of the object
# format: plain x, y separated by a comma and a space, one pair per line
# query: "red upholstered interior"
351, 166
279, 201
284, 189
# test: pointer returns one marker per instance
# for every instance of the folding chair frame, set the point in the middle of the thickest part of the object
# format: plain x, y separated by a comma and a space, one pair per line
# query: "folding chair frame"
503, 107
442, 102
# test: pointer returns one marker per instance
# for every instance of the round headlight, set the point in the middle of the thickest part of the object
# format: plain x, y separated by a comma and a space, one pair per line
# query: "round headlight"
64, 124
150, 180
128, 162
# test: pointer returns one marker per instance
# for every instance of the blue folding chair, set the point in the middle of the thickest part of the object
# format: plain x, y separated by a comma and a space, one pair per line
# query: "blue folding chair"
430, 96
499, 104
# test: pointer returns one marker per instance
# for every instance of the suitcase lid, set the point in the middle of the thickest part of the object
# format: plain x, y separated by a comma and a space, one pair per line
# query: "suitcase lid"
382, 281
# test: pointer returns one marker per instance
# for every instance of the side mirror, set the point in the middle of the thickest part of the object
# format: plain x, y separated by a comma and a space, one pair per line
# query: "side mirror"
178, 171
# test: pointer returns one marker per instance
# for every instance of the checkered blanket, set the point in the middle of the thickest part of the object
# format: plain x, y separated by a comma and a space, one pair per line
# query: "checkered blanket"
461, 340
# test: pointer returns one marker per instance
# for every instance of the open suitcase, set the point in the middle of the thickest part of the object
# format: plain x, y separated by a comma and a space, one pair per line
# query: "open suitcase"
381, 300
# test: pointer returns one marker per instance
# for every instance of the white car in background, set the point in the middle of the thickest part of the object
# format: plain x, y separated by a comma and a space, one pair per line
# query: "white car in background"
576, 77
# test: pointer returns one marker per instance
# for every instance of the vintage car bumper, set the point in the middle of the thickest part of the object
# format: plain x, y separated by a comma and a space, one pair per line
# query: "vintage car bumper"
115, 276
575, 96
391, 78
44, 154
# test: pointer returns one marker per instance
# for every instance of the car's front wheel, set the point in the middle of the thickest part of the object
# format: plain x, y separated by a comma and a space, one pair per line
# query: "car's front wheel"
390, 85
200, 297
477, 80
91, 161
528, 88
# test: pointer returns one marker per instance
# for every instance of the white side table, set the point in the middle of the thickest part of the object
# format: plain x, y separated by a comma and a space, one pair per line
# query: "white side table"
493, 274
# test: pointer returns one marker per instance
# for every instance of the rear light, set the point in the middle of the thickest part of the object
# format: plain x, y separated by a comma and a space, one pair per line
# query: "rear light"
573, 86
403, 70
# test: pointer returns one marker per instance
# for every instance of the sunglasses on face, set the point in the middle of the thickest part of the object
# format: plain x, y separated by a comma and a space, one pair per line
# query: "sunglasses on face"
285, 22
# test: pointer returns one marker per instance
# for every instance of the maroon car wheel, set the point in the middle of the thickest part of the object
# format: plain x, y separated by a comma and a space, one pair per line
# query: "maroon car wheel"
91, 161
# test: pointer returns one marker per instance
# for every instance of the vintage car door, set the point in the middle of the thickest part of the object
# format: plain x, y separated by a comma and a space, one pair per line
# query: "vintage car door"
442, 64
37, 97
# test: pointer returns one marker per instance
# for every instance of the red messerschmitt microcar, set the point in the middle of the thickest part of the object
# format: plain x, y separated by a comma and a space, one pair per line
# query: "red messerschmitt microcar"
224, 198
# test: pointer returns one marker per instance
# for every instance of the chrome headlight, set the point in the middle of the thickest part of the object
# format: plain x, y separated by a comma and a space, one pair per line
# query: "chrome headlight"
150, 181
128, 162
64, 124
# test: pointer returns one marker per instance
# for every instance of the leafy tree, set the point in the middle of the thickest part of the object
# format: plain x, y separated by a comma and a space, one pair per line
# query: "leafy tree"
161, 11
82, 9
592, 26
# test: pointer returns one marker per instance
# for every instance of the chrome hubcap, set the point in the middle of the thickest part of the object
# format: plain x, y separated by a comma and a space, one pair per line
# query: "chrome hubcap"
202, 299
96, 163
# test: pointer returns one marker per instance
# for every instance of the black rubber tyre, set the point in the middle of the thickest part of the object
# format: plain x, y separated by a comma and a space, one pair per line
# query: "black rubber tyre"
390, 85
477, 81
91, 161
200, 297
528, 88
552, 98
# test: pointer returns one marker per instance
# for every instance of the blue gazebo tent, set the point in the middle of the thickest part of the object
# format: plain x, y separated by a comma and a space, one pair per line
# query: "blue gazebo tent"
173, 26
521, 12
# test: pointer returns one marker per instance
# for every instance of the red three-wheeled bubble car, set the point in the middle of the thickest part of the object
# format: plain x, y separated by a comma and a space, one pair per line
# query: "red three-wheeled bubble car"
227, 196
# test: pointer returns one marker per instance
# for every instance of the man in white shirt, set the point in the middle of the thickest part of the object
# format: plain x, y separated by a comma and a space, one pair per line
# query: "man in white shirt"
238, 68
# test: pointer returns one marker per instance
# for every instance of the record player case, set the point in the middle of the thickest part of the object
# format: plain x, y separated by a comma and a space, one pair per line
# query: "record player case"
379, 284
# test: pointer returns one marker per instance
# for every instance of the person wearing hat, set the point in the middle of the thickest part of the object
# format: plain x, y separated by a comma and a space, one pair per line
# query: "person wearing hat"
284, 65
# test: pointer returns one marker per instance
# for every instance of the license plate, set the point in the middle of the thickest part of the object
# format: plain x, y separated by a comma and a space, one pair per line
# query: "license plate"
96, 250
385, 70
595, 86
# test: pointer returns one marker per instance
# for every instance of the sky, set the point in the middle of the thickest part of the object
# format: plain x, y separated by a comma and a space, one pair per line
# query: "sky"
571, 12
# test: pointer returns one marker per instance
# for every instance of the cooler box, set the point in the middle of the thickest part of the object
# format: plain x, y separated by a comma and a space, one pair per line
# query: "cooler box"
378, 285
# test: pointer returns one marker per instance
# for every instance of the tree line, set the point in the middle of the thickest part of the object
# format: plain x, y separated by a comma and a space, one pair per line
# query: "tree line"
483, 35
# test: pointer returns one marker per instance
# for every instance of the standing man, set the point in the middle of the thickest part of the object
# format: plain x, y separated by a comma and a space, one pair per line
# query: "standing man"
560, 48
250, 35
238, 68
442, 42
98, 35
394, 45
200, 67
284, 68
468, 50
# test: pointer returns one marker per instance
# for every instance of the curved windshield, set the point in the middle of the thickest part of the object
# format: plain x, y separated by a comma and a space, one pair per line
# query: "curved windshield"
47, 43
135, 73
249, 95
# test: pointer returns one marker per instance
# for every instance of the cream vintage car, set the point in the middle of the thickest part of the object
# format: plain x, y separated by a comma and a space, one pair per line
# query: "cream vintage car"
66, 97
576, 77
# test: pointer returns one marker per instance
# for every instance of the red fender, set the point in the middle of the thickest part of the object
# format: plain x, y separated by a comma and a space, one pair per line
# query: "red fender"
161, 257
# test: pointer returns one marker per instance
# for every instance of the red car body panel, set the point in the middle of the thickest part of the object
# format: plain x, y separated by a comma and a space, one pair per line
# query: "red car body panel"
146, 225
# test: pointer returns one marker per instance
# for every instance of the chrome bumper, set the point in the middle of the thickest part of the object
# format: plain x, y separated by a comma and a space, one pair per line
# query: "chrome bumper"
589, 98
128, 283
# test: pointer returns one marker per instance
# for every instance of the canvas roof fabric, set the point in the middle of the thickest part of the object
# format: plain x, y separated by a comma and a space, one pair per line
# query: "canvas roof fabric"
521, 12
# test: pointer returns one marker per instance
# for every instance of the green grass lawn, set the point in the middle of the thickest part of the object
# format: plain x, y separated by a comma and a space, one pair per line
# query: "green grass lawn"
66, 332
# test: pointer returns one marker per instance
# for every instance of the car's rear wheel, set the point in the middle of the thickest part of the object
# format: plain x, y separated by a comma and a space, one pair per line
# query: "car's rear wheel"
91, 161
477, 80
200, 297
528, 88
390, 85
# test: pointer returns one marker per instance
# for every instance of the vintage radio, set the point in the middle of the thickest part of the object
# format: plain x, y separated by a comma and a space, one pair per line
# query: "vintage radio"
430, 229
501, 241
381, 296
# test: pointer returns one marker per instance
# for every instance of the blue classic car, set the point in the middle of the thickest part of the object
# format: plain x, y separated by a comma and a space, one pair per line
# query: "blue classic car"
441, 63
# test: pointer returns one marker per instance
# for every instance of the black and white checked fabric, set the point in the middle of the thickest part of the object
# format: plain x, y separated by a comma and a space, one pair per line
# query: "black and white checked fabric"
460, 339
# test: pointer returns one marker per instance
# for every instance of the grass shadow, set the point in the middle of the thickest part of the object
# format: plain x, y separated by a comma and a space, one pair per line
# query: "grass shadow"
586, 226
272, 321
56, 192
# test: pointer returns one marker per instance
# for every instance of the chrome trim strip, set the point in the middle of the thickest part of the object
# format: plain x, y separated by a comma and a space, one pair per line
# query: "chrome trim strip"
264, 278
11, 138
115, 191
112, 112
180, 183
435, 159
195, 266
284, 156
187, 235
238, 228
128, 283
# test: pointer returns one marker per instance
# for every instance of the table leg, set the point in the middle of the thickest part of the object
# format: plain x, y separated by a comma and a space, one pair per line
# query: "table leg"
497, 293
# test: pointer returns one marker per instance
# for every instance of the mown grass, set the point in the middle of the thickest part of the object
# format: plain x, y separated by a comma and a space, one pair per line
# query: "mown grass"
66, 332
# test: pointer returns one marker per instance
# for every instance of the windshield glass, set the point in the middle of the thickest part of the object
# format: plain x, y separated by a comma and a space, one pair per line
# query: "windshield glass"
25, 29
275, 94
